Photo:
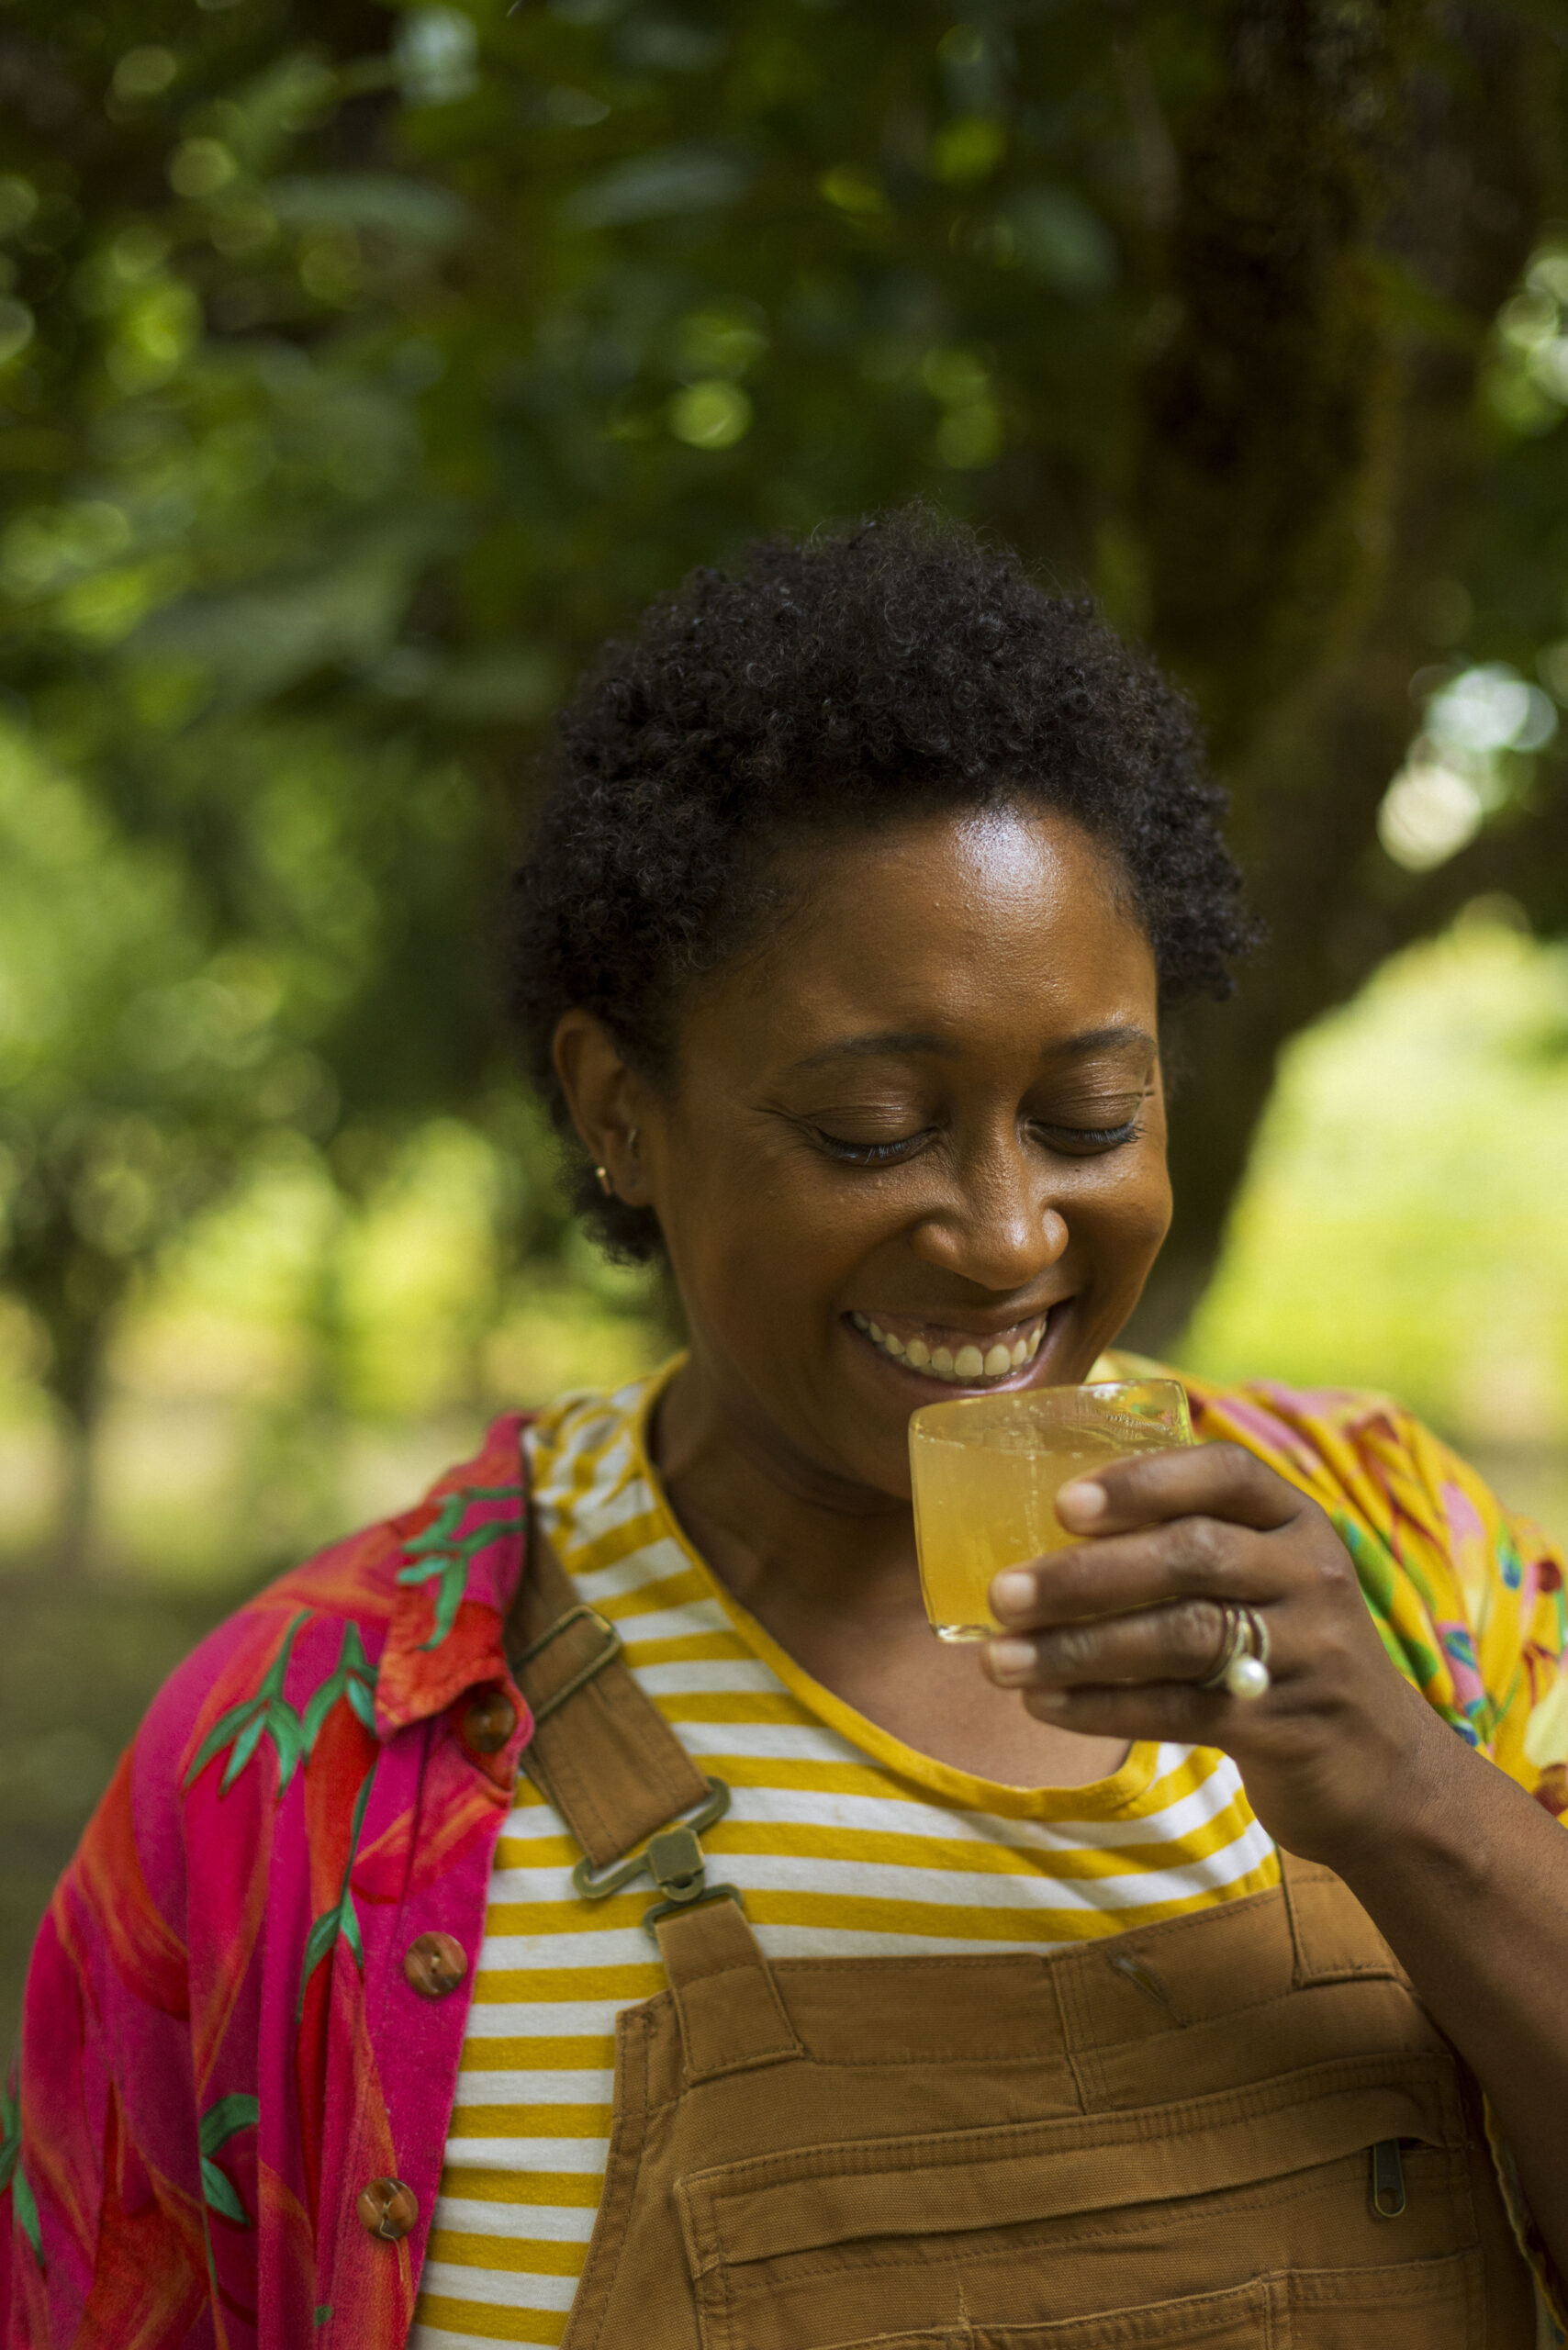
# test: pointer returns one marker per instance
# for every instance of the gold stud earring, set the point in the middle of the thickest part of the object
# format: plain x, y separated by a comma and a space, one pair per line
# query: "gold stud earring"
605, 1185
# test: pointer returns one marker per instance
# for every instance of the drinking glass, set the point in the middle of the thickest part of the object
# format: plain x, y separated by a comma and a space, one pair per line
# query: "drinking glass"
987, 1470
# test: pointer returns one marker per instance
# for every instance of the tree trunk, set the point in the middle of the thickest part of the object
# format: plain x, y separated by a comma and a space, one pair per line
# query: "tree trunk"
1308, 765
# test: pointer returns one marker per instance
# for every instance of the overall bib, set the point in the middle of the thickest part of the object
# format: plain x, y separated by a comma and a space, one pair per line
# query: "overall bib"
1236, 2128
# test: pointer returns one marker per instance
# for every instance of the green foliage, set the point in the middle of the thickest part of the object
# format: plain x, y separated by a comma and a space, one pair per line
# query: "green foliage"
362, 365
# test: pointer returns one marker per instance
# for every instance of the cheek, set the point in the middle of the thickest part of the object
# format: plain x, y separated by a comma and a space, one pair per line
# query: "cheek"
1131, 1215
746, 1235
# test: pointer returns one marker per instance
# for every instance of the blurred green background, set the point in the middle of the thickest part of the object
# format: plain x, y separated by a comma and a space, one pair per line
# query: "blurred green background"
362, 365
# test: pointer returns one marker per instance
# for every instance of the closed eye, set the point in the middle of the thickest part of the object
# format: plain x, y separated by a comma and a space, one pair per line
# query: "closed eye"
870, 1154
1086, 1138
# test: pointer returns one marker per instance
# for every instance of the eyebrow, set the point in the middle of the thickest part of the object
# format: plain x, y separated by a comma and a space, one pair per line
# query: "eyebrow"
890, 1043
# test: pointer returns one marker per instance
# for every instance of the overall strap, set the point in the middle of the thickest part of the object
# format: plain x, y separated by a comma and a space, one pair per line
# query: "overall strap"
631, 1794
601, 1752
725, 1993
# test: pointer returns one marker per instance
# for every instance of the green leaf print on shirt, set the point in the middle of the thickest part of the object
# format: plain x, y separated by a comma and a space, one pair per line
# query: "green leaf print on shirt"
342, 1918
218, 2124
442, 1552
13, 2175
267, 1715
354, 1678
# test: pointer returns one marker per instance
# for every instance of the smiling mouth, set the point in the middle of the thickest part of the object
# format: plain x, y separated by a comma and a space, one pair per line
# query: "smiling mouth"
951, 1357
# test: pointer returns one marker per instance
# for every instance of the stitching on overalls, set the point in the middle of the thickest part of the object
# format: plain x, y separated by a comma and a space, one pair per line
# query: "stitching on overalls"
1272, 2194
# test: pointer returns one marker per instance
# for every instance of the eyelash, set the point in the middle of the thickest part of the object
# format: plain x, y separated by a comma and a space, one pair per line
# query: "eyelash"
884, 1154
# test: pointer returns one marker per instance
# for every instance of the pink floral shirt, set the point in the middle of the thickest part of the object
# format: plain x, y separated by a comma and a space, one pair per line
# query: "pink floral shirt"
228, 2033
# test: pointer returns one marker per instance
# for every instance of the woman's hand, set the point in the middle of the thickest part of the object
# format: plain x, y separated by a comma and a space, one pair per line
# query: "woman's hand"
1114, 1637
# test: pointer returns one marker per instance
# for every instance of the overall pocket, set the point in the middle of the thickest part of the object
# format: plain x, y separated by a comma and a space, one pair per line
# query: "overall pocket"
1247, 2212
1401, 2308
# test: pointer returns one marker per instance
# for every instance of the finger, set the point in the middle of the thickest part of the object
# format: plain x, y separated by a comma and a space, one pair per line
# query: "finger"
1182, 1642
1175, 1710
1211, 1480
1159, 1564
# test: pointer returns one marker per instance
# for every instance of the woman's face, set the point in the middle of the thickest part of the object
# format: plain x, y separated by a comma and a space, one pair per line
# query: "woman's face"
915, 1148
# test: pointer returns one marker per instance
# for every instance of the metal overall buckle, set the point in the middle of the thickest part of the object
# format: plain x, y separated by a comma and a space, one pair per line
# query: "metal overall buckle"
606, 1654
672, 1857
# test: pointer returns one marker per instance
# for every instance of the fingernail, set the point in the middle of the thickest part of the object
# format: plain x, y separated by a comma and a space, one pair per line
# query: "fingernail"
1012, 1660
1046, 1701
1012, 1593
1085, 1499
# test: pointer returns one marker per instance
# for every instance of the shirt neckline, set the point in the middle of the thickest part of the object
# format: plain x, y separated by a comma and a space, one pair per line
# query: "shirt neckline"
1097, 1799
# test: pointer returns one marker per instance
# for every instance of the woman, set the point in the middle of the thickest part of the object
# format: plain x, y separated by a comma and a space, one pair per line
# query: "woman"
1072, 2001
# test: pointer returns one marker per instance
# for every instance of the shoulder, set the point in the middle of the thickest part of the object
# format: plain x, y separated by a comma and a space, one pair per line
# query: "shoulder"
395, 1619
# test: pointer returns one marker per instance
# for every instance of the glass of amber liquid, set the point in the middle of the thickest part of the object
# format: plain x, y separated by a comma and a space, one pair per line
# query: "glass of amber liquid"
987, 1470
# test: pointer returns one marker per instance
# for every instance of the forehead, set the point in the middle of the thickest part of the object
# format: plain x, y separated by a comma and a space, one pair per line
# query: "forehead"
983, 925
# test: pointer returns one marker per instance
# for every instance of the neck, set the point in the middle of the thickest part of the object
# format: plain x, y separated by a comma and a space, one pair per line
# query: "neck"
785, 1535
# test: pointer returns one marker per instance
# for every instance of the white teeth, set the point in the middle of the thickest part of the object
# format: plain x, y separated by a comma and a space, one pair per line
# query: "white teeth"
970, 1363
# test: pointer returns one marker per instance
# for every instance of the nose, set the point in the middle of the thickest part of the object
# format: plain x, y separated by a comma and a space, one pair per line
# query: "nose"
999, 1229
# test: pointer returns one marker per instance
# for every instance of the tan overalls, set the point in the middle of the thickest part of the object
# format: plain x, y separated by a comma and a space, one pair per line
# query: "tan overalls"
1237, 2128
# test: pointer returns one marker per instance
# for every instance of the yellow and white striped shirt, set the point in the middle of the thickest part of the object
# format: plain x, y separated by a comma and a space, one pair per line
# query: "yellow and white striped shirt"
843, 1842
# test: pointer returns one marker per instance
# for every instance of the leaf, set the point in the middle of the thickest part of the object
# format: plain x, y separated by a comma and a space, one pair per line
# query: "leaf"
350, 1924
245, 1722
442, 1551
283, 1729
353, 1677
319, 1706
272, 1686
453, 1583
438, 1533
220, 1733
27, 2213
10, 2134
226, 2118
379, 201
221, 2193
318, 1942
361, 1804
342, 1920
693, 178
245, 1745
352, 1657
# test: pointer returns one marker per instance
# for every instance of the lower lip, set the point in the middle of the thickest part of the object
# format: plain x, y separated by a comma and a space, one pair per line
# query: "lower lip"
932, 1389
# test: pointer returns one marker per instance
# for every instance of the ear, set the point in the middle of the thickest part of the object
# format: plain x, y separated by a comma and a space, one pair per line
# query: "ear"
604, 1096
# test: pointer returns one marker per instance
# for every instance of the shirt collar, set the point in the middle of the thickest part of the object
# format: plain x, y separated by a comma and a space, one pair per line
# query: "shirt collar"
462, 1558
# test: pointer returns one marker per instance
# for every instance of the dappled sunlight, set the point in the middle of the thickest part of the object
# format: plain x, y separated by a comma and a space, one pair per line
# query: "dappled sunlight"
1402, 1226
296, 1363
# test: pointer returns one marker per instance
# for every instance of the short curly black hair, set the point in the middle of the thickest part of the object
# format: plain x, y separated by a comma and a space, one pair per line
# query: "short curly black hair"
884, 671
